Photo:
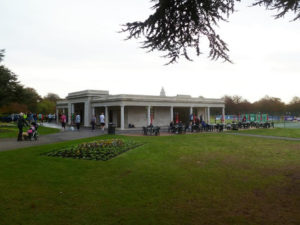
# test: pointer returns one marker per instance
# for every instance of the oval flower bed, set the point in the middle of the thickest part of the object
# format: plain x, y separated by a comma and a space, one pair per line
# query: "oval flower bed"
95, 150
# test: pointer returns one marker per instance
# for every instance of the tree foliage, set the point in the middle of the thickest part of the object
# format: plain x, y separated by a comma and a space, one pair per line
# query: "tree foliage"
14, 107
48, 103
1, 54
8, 86
178, 25
52, 97
282, 7
271, 105
294, 106
30, 97
46, 106
14, 97
236, 105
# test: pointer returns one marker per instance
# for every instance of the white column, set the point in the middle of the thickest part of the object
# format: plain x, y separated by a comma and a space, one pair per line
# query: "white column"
87, 113
106, 116
93, 111
208, 115
70, 107
72, 110
223, 114
171, 113
122, 117
191, 110
148, 115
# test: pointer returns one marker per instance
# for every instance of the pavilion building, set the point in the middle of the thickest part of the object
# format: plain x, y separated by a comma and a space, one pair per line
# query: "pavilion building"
139, 110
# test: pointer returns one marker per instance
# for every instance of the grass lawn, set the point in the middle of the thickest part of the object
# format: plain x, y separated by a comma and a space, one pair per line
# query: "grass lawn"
281, 132
12, 131
194, 179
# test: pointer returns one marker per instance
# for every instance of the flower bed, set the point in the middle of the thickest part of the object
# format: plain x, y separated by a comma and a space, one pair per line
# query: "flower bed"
96, 150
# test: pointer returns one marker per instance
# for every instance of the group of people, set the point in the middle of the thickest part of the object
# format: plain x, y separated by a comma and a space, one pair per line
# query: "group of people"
194, 122
101, 119
77, 121
35, 117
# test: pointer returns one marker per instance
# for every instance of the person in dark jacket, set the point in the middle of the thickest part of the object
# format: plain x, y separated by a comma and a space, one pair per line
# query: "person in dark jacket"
21, 123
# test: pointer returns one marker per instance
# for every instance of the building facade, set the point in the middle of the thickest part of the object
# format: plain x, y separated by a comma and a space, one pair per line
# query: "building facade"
138, 110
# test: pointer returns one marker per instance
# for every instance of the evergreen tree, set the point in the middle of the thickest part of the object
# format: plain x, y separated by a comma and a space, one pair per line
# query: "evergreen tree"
178, 25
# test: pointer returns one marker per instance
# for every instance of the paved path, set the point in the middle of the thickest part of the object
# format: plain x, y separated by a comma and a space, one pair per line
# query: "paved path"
265, 136
12, 143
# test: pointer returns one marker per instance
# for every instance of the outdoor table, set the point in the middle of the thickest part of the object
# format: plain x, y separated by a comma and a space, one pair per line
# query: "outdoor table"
195, 127
151, 130
178, 129
234, 126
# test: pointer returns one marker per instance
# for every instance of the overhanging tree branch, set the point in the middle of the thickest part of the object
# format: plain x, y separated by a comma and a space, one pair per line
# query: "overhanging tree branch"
179, 25
1, 54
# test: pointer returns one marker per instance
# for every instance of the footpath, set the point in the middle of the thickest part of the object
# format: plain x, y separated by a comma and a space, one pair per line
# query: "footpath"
67, 135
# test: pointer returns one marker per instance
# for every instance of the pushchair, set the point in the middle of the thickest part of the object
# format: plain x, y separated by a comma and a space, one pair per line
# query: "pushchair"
32, 133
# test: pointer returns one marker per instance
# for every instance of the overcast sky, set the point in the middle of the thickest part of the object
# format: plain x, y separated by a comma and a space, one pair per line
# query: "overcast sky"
65, 46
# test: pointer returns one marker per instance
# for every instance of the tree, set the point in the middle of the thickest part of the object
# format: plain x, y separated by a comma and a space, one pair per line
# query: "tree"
236, 105
48, 103
270, 105
8, 86
29, 97
178, 25
46, 106
294, 106
52, 97
14, 107
1, 54
13, 96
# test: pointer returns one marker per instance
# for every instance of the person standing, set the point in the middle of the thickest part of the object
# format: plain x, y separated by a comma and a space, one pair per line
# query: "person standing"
93, 122
73, 118
102, 121
77, 121
63, 120
21, 122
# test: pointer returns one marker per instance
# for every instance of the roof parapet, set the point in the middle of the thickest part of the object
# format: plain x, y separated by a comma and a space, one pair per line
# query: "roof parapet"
87, 93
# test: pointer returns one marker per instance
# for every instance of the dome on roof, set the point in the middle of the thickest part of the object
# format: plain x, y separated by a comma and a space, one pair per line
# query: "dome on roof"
162, 92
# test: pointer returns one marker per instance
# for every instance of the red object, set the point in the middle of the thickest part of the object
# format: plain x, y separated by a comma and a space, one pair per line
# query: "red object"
151, 119
194, 118
267, 117
177, 118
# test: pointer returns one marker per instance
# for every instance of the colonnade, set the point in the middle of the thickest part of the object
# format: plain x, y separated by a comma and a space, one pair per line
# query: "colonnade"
89, 110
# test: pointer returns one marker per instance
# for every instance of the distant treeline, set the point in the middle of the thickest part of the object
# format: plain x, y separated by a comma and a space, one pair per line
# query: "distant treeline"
15, 98
270, 105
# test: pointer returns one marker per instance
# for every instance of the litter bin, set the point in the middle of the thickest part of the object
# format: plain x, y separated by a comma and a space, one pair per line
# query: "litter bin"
111, 128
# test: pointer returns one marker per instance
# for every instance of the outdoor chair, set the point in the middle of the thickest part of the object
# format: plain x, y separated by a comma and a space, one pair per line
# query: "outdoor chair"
228, 126
156, 131
145, 131
235, 126
219, 127
196, 128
